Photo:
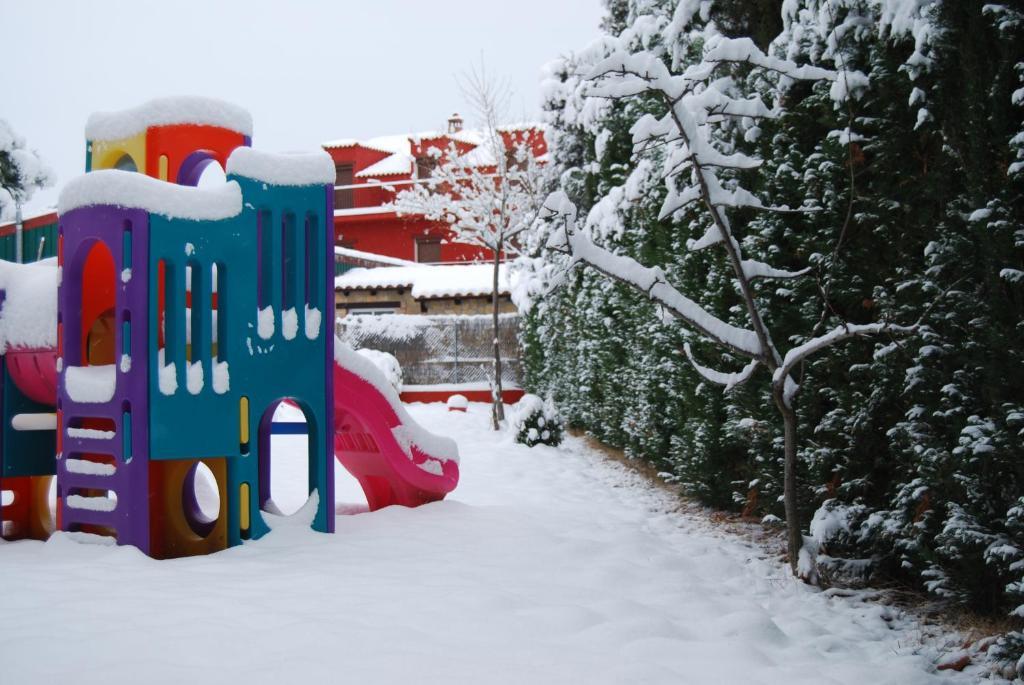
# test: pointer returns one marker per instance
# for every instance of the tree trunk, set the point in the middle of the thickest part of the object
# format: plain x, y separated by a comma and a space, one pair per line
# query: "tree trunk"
498, 409
794, 529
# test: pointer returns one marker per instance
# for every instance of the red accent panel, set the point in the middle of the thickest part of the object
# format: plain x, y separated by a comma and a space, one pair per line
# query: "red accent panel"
508, 396
181, 140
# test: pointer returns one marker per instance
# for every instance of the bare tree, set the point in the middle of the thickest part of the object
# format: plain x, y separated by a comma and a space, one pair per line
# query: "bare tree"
488, 196
699, 100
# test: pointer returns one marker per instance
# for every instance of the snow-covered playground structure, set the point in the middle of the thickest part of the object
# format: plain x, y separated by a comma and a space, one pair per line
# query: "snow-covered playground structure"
183, 317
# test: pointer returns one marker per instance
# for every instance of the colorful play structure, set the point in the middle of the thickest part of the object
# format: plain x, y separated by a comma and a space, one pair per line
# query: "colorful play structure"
174, 322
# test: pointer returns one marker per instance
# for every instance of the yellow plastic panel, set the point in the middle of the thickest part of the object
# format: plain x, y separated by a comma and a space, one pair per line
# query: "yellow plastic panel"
243, 506
106, 153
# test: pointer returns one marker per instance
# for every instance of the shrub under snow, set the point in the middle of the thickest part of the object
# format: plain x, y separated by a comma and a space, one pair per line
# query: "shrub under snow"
536, 422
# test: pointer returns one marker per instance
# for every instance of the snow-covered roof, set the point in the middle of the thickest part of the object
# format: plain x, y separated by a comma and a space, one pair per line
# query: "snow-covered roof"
428, 280
401, 144
138, 191
28, 316
481, 155
29, 217
371, 256
521, 126
398, 163
396, 144
186, 109
361, 211
282, 169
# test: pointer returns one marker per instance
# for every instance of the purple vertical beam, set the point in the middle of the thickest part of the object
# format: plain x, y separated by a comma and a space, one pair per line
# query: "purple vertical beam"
82, 228
327, 321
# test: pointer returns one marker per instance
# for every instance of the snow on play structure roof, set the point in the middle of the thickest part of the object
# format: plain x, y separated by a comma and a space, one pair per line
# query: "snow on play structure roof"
437, 446
283, 169
167, 111
398, 163
428, 280
138, 191
28, 316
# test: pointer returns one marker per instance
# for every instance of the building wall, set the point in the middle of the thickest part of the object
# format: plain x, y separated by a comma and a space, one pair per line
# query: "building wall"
407, 304
37, 229
396, 237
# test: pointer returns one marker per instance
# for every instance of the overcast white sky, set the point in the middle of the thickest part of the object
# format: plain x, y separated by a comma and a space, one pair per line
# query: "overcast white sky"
309, 71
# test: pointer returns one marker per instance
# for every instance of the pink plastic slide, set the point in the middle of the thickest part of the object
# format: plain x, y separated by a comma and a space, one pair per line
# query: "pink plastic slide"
394, 459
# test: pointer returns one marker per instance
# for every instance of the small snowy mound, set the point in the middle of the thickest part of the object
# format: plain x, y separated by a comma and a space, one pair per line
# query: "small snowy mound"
536, 422
28, 316
387, 365
457, 403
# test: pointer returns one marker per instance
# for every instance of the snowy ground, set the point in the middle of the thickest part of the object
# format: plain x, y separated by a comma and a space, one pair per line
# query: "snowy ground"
545, 566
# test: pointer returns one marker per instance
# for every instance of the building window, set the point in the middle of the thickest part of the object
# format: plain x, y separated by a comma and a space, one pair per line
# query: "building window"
425, 166
343, 196
428, 250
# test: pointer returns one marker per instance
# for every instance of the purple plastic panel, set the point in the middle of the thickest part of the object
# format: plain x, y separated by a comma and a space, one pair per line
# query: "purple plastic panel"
81, 229
327, 325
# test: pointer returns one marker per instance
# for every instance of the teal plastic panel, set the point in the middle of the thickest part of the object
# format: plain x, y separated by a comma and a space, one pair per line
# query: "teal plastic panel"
25, 453
201, 422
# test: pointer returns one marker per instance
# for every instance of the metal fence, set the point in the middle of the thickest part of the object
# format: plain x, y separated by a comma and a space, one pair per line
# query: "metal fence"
438, 349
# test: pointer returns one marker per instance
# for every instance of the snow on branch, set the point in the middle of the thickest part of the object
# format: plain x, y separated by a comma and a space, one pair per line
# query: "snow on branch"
729, 380
719, 49
754, 269
838, 334
650, 281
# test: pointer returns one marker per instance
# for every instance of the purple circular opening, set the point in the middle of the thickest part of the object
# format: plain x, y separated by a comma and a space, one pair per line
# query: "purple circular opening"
193, 166
201, 524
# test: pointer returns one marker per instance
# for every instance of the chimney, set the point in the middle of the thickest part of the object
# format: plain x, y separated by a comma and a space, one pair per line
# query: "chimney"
454, 123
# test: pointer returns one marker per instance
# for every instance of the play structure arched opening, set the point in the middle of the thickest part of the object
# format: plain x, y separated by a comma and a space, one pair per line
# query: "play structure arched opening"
287, 457
200, 499
201, 169
125, 163
93, 273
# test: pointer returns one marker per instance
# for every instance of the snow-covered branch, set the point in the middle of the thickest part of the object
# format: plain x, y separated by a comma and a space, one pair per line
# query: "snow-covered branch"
837, 335
729, 380
650, 281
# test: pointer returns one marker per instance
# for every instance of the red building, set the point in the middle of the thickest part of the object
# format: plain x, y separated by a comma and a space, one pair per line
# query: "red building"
371, 172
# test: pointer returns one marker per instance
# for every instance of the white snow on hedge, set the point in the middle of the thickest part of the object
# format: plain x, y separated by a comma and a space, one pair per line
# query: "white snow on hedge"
185, 109
28, 316
447, 280
408, 432
138, 191
397, 327
282, 169
90, 384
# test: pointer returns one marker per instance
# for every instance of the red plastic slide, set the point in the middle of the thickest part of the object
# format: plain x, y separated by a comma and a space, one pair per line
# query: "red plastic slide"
394, 459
